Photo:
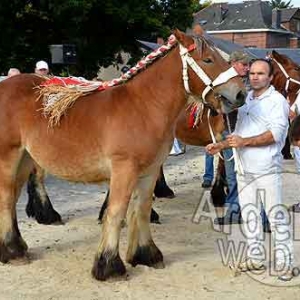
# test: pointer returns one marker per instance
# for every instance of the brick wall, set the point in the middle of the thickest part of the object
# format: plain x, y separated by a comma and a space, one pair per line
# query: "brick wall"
294, 43
257, 39
251, 39
277, 40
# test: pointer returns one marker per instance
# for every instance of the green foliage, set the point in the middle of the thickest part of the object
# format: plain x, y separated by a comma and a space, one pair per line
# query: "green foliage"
280, 4
98, 28
197, 5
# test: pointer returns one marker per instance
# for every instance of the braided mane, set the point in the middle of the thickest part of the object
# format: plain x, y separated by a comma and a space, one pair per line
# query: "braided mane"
59, 94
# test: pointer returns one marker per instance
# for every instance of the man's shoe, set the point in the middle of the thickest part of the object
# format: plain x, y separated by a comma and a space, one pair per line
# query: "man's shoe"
206, 184
285, 274
250, 265
228, 220
295, 208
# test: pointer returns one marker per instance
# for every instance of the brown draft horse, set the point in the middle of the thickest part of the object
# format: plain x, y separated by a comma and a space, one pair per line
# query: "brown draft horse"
40, 207
122, 134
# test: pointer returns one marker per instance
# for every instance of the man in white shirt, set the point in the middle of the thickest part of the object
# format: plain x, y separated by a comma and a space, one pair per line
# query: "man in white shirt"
259, 136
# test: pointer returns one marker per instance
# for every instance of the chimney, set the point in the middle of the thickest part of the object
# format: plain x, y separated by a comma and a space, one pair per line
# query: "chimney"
294, 42
276, 18
160, 41
220, 11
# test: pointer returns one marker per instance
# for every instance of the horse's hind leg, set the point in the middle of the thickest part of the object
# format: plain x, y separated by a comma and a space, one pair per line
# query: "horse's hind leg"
141, 248
107, 261
39, 205
13, 173
103, 207
162, 190
154, 218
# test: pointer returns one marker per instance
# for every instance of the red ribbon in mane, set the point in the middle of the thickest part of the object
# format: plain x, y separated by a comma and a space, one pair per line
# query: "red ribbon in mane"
192, 117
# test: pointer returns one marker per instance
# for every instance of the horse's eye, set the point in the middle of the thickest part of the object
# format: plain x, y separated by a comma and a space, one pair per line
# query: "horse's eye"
207, 60
297, 69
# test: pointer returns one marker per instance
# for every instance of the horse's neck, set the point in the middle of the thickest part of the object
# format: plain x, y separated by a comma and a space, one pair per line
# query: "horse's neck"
279, 79
162, 85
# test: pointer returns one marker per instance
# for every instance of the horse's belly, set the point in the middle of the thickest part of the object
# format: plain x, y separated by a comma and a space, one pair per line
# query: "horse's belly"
99, 171
73, 168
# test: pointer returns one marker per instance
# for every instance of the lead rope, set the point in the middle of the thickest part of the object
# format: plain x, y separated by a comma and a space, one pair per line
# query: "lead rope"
238, 164
238, 167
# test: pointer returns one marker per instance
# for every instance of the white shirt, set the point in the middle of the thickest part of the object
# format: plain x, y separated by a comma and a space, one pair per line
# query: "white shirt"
269, 111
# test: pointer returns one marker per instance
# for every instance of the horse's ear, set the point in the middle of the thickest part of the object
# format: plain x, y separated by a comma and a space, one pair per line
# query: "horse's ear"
281, 58
198, 30
275, 54
179, 35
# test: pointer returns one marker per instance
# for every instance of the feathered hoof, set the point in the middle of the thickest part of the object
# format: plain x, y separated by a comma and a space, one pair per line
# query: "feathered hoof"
149, 256
12, 247
107, 266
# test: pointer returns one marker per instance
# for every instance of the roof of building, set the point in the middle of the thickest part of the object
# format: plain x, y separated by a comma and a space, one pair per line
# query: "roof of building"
247, 15
287, 13
293, 54
228, 47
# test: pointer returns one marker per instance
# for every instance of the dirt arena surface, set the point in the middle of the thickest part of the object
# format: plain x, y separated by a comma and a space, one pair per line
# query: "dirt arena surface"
61, 257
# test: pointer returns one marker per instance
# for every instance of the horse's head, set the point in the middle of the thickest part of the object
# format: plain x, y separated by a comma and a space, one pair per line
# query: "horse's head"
207, 75
286, 77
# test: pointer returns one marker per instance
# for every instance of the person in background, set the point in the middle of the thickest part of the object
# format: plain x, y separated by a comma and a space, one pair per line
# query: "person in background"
208, 176
41, 68
239, 60
177, 148
13, 72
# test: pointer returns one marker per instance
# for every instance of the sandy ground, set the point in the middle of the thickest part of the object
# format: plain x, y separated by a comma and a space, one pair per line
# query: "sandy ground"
62, 256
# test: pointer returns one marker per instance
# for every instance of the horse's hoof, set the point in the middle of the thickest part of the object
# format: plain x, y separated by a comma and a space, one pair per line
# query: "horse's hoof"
154, 218
107, 266
21, 261
164, 192
148, 255
13, 247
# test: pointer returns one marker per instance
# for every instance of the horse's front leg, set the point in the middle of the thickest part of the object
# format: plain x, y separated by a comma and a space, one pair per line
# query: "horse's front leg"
141, 248
12, 244
107, 261
39, 205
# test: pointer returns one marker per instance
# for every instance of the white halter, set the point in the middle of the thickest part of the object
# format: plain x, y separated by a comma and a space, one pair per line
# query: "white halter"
187, 60
288, 78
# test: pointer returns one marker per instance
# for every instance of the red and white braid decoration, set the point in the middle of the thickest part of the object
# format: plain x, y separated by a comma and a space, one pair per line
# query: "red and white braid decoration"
144, 62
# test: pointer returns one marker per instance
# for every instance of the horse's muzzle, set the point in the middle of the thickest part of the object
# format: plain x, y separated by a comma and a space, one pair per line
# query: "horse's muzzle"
229, 104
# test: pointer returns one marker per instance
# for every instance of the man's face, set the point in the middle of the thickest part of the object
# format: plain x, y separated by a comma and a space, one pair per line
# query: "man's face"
240, 67
259, 76
42, 72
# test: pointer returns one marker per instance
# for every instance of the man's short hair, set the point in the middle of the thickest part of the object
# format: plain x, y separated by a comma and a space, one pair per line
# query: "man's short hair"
267, 61
239, 56
13, 71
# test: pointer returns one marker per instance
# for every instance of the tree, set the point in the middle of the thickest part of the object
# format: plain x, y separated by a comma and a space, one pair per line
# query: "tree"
280, 4
98, 28
197, 5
